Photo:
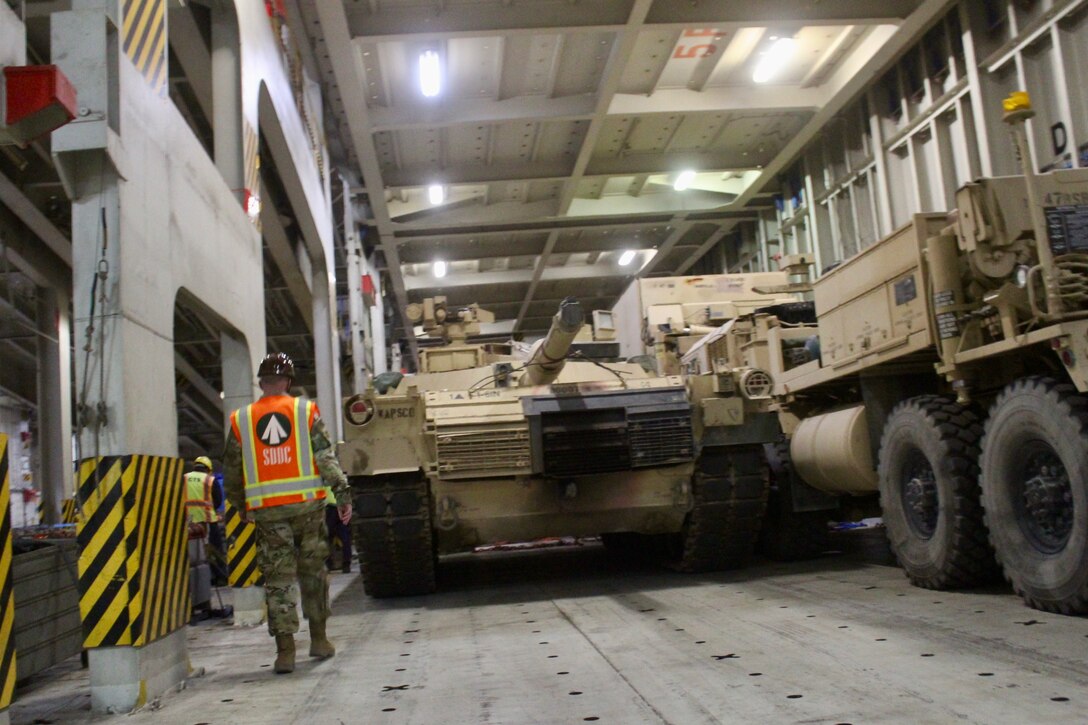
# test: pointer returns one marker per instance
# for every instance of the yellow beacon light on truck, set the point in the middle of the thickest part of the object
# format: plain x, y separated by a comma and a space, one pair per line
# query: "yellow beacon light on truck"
1017, 101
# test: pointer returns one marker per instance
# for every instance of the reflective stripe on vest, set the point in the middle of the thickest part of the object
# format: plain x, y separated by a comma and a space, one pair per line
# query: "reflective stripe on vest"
288, 474
198, 497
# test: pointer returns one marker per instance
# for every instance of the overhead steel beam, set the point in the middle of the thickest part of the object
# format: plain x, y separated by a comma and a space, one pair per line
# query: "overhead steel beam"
535, 109
28, 256
625, 221
400, 22
347, 69
914, 27
538, 271
552, 170
478, 18
287, 262
197, 407
682, 228
750, 99
513, 276
35, 221
20, 378
191, 374
622, 48
777, 12
706, 246
187, 43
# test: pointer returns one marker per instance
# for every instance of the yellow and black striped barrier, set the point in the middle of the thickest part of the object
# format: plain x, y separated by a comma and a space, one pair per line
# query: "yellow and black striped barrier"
7, 590
69, 512
242, 570
133, 556
144, 27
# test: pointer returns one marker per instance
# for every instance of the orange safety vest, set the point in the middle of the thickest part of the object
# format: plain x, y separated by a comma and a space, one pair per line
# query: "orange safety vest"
198, 497
277, 455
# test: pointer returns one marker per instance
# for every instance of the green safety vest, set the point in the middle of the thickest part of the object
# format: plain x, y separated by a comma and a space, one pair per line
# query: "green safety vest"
198, 498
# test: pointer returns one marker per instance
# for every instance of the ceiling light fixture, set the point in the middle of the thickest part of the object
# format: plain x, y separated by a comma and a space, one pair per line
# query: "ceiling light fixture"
439, 269
429, 74
774, 59
684, 180
436, 194
627, 257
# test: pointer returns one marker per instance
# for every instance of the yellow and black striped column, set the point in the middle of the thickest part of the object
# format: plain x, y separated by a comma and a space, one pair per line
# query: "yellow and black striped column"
144, 33
133, 566
7, 594
242, 570
69, 512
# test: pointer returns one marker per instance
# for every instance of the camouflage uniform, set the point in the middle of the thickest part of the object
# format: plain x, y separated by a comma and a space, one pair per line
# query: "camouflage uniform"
291, 540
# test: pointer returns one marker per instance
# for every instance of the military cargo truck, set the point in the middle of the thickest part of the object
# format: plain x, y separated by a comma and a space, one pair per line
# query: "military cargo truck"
947, 371
481, 447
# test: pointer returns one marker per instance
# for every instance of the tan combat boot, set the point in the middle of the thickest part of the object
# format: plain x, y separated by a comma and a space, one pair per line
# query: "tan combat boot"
320, 646
285, 654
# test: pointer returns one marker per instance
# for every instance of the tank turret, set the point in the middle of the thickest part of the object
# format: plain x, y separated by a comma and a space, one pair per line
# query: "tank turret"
548, 356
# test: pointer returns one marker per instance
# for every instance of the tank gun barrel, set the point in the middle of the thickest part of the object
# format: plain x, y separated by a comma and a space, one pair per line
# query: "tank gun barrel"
549, 355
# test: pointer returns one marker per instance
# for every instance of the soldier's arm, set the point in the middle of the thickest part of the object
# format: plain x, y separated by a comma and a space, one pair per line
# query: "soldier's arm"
234, 485
327, 464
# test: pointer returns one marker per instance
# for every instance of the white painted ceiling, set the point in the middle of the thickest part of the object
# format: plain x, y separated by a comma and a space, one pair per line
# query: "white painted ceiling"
561, 125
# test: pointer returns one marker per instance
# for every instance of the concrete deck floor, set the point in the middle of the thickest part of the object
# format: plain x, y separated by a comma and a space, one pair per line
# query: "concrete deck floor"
573, 635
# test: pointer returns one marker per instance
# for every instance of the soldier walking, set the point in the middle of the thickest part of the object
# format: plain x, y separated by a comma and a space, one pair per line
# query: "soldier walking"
277, 461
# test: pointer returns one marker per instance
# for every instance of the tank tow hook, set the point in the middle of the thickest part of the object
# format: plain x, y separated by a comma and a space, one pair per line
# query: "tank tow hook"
447, 514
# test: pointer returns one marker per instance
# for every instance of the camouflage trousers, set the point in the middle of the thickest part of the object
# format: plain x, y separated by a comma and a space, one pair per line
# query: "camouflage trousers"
292, 549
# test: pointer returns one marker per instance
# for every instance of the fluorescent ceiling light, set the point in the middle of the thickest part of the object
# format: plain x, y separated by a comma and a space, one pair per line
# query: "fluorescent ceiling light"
439, 269
773, 59
429, 74
436, 194
627, 257
684, 180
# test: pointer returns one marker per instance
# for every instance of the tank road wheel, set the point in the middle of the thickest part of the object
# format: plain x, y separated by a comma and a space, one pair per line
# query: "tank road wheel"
929, 493
788, 535
729, 491
392, 533
1034, 470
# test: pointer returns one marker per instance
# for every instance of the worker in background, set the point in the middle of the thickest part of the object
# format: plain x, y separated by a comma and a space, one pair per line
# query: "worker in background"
337, 530
198, 497
201, 517
277, 455
217, 546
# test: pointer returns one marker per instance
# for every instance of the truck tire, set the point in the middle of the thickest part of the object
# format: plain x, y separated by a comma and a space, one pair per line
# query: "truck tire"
391, 528
788, 535
729, 491
1034, 473
929, 493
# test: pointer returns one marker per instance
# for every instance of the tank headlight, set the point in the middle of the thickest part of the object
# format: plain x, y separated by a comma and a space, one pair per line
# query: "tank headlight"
755, 384
1022, 275
357, 410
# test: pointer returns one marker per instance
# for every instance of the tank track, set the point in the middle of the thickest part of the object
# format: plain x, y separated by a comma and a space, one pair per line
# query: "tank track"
391, 528
729, 489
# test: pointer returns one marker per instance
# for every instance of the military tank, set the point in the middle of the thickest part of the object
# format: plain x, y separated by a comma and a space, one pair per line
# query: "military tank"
482, 447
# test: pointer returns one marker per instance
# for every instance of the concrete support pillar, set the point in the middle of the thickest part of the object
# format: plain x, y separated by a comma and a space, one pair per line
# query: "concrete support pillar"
239, 375
125, 387
377, 327
327, 351
358, 316
227, 98
54, 474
